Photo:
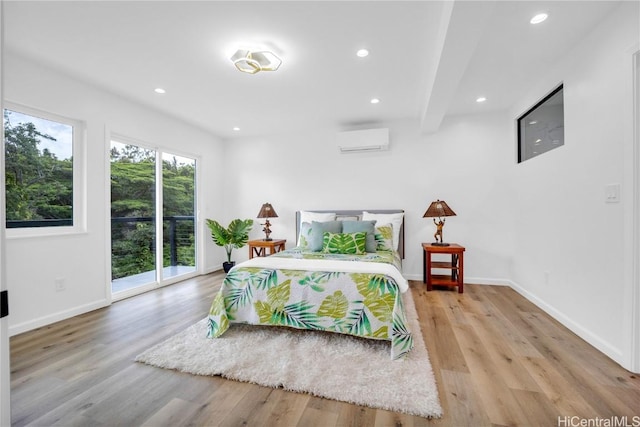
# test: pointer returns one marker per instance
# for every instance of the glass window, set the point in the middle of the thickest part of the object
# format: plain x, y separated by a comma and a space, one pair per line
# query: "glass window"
40, 170
541, 129
133, 215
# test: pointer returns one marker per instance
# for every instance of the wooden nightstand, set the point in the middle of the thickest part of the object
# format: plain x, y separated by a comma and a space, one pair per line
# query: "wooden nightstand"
259, 247
456, 266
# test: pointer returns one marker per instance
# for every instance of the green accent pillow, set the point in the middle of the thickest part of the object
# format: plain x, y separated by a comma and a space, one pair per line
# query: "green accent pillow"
366, 226
384, 237
344, 243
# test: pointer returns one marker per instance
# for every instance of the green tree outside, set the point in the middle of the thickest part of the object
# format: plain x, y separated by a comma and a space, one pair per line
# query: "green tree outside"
133, 196
39, 186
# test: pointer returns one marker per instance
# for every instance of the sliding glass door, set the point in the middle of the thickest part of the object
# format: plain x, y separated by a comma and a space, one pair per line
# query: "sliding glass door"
178, 210
152, 200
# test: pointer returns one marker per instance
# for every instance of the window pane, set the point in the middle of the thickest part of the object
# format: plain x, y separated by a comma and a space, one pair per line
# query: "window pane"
133, 234
178, 196
541, 129
38, 171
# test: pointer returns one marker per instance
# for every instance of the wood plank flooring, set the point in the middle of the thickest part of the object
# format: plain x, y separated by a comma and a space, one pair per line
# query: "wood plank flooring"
498, 360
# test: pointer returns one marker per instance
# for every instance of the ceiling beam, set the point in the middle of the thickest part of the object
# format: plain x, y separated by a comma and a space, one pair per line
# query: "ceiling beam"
462, 24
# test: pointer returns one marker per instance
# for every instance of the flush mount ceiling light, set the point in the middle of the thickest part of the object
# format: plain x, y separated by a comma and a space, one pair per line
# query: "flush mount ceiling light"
539, 18
253, 62
362, 53
481, 99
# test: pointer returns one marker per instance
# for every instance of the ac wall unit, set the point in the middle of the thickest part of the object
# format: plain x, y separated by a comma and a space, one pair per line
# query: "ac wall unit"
363, 140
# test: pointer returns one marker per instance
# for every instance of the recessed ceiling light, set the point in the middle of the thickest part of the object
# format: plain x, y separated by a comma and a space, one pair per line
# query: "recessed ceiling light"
375, 100
159, 90
362, 53
533, 122
481, 99
236, 128
539, 18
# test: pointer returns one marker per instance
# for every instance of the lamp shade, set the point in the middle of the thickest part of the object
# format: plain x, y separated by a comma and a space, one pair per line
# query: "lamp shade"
267, 211
439, 208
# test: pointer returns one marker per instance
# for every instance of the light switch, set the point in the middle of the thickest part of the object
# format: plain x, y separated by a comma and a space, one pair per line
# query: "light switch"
612, 193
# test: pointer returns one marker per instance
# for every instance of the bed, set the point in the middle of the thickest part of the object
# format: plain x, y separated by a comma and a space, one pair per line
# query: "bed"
343, 276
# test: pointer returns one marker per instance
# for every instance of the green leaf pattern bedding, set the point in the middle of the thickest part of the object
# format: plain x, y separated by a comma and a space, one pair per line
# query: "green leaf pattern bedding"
276, 291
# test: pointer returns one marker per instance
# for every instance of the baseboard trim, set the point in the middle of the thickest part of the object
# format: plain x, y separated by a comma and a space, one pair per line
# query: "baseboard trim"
212, 269
603, 346
467, 280
600, 344
56, 317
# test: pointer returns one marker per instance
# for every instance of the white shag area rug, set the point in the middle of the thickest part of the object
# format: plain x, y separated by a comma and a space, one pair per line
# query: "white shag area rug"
324, 364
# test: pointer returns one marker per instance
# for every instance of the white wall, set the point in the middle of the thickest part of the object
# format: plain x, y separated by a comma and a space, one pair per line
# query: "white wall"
564, 229
82, 260
466, 164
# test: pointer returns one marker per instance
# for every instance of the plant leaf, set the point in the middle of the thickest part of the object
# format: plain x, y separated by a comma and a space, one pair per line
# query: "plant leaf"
239, 232
238, 297
401, 338
219, 234
334, 306
264, 311
383, 284
217, 306
278, 296
264, 278
298, 315
381, 306
215, 329
317, 279
360, 325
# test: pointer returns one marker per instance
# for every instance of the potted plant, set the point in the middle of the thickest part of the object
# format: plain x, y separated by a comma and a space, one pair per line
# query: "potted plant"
235, 235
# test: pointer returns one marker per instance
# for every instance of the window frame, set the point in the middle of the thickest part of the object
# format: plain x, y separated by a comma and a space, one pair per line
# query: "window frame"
79, 176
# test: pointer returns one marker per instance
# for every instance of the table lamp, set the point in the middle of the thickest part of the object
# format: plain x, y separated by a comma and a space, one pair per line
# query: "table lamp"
267, 211
439, 209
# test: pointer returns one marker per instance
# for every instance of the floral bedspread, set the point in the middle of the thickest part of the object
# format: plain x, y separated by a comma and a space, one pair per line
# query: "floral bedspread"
290, 289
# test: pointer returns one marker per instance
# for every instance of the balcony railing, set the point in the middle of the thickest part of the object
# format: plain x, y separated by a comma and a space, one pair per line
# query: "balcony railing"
32, 223
178, 241
133, 247
139, 256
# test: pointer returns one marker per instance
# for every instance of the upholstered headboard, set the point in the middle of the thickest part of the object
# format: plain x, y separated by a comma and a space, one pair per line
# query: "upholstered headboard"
352, 212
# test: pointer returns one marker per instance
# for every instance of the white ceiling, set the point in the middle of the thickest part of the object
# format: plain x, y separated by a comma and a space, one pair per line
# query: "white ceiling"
428, 58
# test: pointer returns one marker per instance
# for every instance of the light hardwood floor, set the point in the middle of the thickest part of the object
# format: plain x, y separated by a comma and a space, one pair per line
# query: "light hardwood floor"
498, 360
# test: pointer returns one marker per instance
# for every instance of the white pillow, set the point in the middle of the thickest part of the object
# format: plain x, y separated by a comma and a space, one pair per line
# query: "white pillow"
306, 216
395, 219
